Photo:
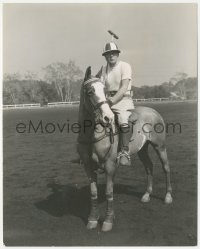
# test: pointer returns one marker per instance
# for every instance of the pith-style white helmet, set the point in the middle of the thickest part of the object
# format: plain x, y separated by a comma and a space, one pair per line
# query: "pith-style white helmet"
111, 46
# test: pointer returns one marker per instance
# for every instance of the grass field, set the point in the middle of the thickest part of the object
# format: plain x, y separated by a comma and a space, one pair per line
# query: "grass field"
46, 198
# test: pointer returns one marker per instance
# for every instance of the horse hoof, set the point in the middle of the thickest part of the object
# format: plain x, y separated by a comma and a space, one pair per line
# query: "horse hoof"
107, 226
92, 224
145, 198
168, 198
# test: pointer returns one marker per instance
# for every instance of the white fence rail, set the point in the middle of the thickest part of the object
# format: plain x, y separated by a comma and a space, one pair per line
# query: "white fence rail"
20, 106
151, 99
63, 103
36, 105
54, 104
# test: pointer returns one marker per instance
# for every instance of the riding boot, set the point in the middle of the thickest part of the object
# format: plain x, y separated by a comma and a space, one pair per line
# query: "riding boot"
123, 155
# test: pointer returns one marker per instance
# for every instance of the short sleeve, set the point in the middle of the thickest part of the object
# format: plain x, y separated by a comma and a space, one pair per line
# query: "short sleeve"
126, 71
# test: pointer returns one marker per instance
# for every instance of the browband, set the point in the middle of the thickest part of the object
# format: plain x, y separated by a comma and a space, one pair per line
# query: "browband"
91, 81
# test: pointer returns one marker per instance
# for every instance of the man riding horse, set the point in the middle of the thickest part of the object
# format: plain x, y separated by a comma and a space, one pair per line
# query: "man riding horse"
97, 144
117, 76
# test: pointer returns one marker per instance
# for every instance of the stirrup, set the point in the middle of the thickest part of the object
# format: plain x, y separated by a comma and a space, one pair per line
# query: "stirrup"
123, 153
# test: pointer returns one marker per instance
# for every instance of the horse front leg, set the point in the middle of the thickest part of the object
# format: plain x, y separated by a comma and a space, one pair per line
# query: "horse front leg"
110, 173
94, 212
85, 154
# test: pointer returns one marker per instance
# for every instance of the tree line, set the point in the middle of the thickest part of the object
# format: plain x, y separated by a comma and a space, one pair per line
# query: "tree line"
181, 89
62, 82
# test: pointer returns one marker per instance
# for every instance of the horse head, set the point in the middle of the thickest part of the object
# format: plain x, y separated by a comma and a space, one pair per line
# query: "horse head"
95, 99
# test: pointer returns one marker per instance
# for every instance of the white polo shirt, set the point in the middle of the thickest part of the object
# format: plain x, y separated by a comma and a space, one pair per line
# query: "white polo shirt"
113, 76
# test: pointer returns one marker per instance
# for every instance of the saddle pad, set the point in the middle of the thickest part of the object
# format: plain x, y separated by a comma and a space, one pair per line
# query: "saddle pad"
137, 139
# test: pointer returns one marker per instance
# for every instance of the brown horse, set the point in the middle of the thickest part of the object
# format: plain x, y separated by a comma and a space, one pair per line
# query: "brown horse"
98, 143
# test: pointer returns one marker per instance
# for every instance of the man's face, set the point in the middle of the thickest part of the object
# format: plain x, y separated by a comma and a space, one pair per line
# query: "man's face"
112, 57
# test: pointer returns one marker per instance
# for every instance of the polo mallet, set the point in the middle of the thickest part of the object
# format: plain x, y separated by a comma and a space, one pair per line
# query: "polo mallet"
113, 35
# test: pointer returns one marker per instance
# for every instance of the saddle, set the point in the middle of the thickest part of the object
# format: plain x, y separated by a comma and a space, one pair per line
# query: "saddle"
137, 137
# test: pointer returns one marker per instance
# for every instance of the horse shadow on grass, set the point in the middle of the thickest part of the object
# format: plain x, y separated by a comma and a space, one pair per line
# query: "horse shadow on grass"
69, 200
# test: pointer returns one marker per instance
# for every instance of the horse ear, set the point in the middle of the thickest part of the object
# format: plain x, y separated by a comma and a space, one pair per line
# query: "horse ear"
99, 74
88, 73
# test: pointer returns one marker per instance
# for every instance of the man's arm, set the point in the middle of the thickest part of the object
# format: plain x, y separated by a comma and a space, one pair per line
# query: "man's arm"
119, 95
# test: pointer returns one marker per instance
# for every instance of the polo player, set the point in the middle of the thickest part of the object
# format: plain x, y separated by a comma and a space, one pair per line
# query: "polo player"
117, 76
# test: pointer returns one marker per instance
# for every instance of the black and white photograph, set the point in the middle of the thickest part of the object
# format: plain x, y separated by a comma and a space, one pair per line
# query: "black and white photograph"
100, 124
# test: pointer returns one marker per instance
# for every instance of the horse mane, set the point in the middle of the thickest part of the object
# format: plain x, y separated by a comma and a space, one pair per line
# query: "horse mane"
83, 97
83, 116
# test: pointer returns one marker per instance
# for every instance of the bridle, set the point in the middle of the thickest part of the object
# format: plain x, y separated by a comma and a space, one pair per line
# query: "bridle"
98, 105
87, 84
96, 108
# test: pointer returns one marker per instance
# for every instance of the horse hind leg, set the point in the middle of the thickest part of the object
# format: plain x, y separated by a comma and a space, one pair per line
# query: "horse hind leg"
162, 154
145, 159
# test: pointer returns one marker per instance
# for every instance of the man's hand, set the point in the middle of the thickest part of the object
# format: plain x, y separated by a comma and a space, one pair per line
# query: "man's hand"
110, 101
119, 95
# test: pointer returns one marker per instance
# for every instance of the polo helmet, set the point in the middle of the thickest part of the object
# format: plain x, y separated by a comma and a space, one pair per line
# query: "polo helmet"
111, 46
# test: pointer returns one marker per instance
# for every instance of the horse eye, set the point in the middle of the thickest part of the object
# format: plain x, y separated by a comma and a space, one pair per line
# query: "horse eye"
91, 91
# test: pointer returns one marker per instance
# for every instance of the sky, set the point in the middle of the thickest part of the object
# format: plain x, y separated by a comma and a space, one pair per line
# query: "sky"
157, 40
